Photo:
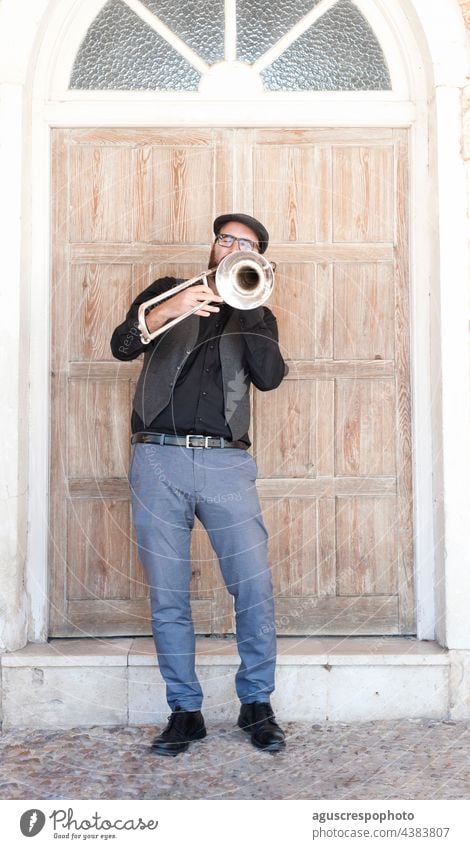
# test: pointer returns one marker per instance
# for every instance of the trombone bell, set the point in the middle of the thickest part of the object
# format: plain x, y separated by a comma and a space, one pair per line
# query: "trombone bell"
245, 279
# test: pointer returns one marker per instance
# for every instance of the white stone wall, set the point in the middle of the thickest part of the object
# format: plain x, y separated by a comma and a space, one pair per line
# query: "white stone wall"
465, 4
22, 23
13, 421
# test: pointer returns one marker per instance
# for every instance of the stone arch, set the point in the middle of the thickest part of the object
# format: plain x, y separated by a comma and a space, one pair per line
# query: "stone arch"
439, 58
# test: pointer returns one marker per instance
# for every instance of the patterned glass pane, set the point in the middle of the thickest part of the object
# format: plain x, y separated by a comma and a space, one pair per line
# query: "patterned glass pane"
260, 24
121, 52
339, 52
199, 25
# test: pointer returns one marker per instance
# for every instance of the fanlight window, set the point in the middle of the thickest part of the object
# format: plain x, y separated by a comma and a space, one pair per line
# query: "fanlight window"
287, 45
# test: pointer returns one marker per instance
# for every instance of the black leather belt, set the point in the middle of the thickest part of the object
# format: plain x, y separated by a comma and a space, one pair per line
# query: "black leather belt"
193, 440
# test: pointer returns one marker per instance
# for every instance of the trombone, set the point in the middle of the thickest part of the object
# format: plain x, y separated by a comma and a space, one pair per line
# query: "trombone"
244, 279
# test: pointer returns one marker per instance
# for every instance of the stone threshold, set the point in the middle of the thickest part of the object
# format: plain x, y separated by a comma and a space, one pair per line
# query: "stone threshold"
311, 651
72, 682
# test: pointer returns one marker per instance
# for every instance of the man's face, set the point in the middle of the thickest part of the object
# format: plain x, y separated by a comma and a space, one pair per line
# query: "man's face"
232, 228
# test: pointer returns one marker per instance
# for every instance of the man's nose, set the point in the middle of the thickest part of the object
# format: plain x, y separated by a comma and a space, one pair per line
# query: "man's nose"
234, 247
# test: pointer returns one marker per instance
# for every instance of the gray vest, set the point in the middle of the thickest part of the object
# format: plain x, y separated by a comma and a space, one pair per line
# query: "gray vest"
165, 359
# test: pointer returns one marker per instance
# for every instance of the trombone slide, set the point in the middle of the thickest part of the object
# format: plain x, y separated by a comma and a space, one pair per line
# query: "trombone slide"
244, 279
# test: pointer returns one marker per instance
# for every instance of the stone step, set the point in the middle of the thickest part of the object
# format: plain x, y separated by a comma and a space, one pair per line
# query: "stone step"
113, 681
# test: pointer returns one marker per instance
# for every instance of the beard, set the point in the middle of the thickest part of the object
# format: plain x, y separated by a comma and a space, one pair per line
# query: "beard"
212, 260
213, 263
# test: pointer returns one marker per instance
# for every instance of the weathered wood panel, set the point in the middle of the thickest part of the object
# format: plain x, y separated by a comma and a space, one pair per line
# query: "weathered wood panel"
332, 442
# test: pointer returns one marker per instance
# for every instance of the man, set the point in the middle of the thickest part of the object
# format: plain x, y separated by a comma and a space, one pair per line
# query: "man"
193, 393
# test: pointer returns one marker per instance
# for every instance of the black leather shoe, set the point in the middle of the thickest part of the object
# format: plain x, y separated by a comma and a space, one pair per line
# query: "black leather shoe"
258, 720
183, 727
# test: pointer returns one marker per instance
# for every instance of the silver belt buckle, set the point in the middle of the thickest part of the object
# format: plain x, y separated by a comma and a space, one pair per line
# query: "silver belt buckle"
191, 436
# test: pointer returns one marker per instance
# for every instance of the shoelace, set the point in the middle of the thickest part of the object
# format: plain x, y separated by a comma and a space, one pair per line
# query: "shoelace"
264, 712
173, 719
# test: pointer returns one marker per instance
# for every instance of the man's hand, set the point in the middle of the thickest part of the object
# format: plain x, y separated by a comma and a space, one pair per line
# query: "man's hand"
181, 303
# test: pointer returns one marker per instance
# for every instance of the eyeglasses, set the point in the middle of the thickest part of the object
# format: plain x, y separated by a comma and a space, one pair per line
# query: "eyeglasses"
226, 240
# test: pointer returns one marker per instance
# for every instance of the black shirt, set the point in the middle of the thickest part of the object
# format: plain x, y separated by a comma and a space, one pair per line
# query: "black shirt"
197, 404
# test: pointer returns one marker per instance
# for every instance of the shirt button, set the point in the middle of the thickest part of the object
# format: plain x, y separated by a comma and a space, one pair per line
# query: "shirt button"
212, 347
203, 394
207, 370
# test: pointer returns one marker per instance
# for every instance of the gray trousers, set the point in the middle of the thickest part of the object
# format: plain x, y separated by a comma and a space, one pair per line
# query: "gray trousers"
169, 486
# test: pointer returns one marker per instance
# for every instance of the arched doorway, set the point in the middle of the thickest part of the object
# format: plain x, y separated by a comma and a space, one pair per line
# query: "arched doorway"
426, 44
334, 447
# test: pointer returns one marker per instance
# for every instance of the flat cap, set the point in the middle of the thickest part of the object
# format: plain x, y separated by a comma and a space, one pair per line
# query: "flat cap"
249, 221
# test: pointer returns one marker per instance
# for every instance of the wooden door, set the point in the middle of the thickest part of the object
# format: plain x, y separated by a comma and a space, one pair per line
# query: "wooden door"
332, 443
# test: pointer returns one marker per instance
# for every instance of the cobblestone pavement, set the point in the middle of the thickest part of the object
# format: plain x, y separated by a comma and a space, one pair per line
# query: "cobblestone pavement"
403, 759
